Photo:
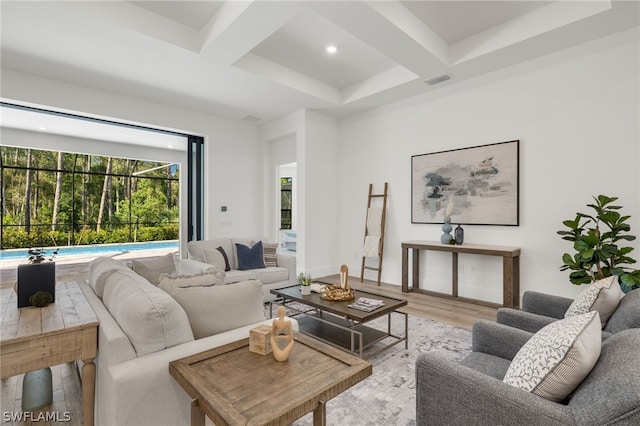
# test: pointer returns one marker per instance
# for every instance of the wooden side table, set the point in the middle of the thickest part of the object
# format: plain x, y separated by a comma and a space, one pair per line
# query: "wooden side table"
35, 338
234, 386
510, 269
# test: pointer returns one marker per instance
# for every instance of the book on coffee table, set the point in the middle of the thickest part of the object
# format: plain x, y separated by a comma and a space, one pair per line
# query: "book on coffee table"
316, 287
366, 304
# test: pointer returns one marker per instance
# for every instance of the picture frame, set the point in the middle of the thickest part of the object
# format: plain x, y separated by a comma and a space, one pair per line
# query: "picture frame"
478, 185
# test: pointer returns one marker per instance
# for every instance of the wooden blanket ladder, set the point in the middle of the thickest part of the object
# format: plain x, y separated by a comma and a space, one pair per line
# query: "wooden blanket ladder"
374, 232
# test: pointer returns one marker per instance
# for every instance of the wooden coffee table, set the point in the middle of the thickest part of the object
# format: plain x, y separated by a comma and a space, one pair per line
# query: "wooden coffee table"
339, 325
233, 386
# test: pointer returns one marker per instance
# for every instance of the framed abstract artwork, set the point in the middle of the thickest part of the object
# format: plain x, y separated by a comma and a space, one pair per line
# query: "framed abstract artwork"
474, 186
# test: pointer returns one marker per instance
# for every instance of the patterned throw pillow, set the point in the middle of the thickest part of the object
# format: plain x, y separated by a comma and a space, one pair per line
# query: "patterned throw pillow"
602, 296
558, 357
270, 254
207, 278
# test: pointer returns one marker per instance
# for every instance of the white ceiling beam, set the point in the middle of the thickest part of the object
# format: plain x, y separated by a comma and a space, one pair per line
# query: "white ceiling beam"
387, 25
238, 27
288, 77
556, 15
138, 19
386, 80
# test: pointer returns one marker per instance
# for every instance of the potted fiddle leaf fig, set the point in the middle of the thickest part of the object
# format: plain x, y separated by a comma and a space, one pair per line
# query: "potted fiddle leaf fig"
39, 275
598, 240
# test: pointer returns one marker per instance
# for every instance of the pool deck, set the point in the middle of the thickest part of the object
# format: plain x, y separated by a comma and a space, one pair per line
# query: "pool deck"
74, 267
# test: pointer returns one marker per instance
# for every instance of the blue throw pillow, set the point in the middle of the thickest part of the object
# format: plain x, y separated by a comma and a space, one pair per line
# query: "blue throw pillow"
250, 258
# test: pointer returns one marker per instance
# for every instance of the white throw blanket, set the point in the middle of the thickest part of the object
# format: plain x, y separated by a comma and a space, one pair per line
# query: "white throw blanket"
374, 221
371, 246
374, 230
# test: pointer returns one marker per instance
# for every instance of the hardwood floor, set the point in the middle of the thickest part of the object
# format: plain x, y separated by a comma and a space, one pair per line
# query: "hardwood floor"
454, 312
66, 408
66, 383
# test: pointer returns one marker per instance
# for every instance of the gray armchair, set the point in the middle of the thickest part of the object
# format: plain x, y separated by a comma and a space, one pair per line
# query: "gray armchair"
471, 392
539, 309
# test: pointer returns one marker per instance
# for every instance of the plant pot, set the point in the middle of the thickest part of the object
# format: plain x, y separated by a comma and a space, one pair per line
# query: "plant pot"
35, 277
306, 290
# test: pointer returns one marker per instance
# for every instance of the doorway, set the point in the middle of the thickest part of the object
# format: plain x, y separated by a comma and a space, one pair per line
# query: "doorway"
287, 214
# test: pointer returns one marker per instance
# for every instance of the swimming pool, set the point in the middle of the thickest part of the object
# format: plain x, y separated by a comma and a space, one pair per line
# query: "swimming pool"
93, 249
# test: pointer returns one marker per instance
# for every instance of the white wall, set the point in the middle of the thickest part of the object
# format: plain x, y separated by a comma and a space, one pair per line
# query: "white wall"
277, 152
233, 157
577, 116
322, 188
317, 188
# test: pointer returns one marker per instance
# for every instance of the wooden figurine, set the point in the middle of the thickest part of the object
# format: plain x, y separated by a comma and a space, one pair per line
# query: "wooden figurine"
344, 276
281, 331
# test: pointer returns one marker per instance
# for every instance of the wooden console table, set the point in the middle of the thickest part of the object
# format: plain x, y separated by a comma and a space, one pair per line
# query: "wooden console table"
510, 269
35, 338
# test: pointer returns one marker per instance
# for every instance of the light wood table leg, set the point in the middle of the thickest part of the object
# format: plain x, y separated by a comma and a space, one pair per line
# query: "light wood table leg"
88, 391
320, 414
197, 415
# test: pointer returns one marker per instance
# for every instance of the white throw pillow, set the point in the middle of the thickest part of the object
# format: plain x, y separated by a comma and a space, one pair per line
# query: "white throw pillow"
603, 296
558, 357
212, 276
216, 309
101, 268
151, 269
216, 258
151, 319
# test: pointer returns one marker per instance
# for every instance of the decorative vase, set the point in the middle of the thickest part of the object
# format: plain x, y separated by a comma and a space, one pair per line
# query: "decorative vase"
306, 290
446, 228
459, 233
35, 277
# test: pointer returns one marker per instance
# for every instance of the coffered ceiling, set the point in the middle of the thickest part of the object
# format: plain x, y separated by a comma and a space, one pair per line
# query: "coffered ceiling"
265, 59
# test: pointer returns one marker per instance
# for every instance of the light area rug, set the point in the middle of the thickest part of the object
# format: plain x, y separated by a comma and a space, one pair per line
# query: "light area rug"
388, 396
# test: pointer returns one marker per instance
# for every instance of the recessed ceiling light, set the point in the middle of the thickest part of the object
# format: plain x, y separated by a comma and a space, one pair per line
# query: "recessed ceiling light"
169, 146
331, 48
42, 128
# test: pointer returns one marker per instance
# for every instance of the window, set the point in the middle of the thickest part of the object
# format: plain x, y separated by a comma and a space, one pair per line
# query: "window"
52, 198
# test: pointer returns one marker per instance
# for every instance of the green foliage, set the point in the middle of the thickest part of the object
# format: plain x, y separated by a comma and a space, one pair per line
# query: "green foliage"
38, 255
40, 299
28, 215
596, 238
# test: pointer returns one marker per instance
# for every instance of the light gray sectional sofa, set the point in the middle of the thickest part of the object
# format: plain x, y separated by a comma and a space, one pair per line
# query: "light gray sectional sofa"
143, 328
282, 274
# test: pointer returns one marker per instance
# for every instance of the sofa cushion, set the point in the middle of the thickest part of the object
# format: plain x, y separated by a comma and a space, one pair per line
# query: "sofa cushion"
151, 319
610, 394
217, 257
627, 315
216, 309
151, 269
212, 276
101, 268
235, 276
270, 254
602, 296
272, 275
250, 257
558, 357
196, 248
488, 364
